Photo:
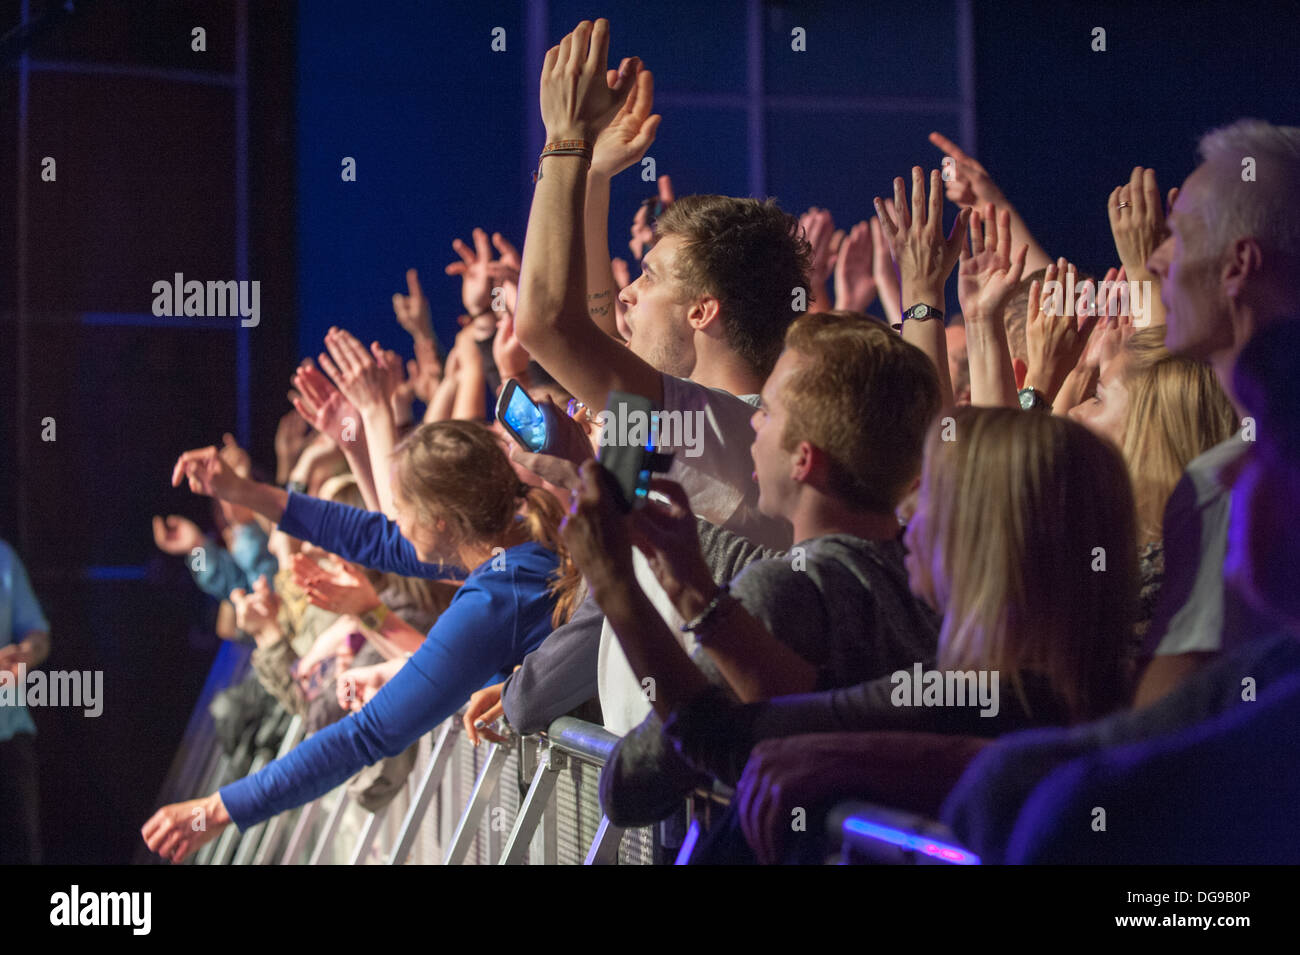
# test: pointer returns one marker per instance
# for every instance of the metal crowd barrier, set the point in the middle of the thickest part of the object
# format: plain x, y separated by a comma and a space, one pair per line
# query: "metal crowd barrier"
529, 800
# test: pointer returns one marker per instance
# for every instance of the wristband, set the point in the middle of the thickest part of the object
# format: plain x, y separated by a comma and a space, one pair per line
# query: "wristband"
722, 600
374, 619
564, 147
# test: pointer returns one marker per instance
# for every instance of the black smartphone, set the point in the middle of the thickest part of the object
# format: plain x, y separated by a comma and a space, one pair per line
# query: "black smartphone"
521, 416
631, 465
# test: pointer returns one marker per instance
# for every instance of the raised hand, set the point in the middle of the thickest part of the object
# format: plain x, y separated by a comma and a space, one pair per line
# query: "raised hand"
1137, 221
176, 535
236, 457
884, 271
206, 473
819, 228
579, 97
855, 281
988, 273
325, 408
916, 241
358, 375
291, 436
1054, 340
969, 183
647, 215
425, 371
412, 309
624, 141
474, 269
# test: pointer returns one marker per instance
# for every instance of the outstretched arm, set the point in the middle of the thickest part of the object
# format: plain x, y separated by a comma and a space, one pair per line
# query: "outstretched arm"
579, 99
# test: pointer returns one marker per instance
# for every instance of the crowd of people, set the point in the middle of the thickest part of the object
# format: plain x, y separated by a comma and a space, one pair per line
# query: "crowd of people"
1025, 569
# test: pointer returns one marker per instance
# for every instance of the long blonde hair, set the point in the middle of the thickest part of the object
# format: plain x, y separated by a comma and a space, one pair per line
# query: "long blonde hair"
1030, 532
456, 472
1177, 410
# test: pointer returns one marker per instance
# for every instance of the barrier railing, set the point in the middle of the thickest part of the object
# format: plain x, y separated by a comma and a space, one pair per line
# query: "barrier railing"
528, 800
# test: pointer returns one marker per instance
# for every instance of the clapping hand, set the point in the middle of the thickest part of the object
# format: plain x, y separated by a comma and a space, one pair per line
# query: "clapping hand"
579, 96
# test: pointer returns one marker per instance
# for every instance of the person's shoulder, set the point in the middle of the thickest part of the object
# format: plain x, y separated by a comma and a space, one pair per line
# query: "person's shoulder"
682, 393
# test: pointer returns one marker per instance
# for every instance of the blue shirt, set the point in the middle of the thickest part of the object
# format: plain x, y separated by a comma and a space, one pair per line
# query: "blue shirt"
20, 614
496, 618
239, 567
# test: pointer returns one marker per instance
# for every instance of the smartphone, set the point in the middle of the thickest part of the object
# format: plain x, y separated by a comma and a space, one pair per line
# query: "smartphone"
632, 466
521, 416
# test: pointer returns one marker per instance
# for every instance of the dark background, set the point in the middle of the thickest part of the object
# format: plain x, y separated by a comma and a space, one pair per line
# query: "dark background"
226, 164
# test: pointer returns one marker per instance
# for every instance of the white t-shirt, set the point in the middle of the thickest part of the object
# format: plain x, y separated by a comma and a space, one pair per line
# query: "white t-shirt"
1196, 610
718, 481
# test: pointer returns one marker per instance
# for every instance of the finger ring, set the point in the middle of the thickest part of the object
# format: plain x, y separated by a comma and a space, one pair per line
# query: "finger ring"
1123, 203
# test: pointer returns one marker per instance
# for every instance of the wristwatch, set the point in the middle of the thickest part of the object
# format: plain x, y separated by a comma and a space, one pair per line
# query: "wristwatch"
1031, 399
922, 313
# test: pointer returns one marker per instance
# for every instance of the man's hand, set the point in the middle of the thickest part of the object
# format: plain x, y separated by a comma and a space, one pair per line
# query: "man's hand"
177, 830
176, 535
579, 96
624, 141
412, 309
596, 534
668, 536
483, 710
915, 236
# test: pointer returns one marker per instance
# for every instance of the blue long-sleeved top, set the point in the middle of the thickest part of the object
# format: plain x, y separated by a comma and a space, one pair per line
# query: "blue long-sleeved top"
363, 537
501, 613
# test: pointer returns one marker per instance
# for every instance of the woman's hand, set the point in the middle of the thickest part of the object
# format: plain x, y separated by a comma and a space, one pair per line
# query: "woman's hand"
361, 378
484, 709
177, 830
342, 590
1137, 221
176, 535
596, 533
1054, 340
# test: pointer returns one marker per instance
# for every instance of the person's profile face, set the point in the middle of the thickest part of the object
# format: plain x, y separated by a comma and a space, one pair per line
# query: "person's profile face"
657, 307
1187, 266
1105, 412
773, 462
918, 557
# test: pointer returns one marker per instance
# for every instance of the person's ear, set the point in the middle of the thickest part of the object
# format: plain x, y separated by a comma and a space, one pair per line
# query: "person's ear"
1021, 369
704, 313
807, 462
1244, 260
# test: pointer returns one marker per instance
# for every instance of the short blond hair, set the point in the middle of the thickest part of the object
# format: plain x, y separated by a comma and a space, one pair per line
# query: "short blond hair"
864, 397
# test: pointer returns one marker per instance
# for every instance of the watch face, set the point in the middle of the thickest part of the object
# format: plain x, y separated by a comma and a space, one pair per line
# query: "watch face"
920, 311
1026, 400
